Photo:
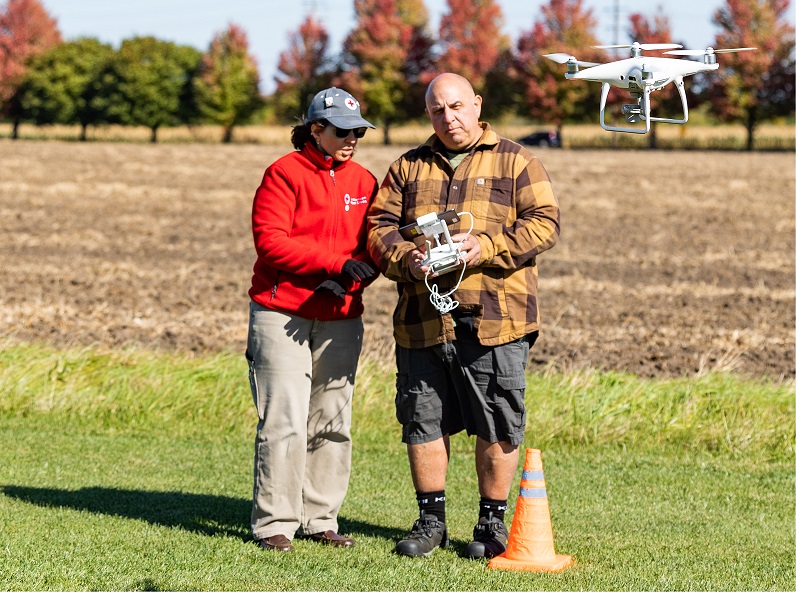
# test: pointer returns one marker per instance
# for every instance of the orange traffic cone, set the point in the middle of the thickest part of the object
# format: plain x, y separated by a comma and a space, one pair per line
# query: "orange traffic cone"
530, 545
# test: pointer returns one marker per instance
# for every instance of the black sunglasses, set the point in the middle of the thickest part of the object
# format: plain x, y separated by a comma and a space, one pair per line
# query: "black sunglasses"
343, 133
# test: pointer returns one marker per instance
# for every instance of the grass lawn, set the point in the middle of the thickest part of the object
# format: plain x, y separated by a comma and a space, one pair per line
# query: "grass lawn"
158, 497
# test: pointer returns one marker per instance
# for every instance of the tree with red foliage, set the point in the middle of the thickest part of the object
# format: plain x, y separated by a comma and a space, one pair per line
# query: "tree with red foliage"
565, 27
304, 69
753, 86
668, 98
374, 58
26, 30
502, 93
470, 39
227, 83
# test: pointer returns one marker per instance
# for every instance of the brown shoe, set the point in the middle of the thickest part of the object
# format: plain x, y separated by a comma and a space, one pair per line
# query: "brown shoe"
330, 537
278, 542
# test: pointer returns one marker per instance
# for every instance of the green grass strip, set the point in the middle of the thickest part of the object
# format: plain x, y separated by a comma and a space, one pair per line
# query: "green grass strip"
139, 390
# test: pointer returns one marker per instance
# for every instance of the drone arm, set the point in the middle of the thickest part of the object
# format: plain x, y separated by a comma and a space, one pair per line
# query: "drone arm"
681, 88
629, 130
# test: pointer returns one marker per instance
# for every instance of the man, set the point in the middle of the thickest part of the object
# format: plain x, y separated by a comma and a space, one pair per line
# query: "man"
464, 369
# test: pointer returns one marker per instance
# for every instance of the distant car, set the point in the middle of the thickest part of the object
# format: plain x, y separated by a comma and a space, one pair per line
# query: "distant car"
544, 139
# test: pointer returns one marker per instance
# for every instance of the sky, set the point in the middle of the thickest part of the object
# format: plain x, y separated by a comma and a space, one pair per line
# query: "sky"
269, 22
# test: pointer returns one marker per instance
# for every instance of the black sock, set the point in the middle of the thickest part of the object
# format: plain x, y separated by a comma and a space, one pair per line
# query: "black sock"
432, 502
496, 507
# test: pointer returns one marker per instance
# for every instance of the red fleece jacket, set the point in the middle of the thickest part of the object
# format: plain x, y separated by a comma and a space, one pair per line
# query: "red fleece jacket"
308, 218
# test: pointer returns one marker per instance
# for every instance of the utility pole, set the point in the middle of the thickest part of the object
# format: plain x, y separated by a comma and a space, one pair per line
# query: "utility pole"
616, 12
315, 9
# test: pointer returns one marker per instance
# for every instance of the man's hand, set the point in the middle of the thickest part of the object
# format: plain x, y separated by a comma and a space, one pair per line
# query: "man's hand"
357, 270
333, 287
415, 257
470, 253
470, 249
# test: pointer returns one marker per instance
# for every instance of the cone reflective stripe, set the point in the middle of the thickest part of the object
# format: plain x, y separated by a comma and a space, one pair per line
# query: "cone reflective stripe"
530, 546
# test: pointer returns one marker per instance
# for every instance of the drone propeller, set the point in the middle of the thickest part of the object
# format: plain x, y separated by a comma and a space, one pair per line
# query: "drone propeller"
644, 46
563, 58
708, 51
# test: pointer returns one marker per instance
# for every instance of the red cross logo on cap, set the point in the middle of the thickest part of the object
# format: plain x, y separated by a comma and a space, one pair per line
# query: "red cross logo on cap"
350, 103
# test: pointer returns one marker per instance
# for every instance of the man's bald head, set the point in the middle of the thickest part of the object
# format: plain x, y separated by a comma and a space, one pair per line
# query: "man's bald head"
454, 109
448, 79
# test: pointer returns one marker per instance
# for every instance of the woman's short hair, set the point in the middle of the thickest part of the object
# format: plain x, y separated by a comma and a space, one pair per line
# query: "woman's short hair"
302, 133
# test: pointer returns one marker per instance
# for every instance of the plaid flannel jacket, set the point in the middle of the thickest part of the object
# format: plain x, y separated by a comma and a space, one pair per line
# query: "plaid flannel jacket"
516, 217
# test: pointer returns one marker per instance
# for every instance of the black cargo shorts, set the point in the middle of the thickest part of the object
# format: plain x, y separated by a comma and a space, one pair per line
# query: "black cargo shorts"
462, 385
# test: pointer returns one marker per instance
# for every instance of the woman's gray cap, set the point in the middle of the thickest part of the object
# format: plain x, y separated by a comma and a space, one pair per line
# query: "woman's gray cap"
338, 108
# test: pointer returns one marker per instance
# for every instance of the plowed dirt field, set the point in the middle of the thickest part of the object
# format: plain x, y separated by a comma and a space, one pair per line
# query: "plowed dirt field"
669, 263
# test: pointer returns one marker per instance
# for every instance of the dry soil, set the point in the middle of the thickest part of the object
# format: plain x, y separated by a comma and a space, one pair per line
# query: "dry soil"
669, 263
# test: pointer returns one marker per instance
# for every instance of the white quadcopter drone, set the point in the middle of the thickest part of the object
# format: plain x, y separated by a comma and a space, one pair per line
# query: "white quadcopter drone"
641, 75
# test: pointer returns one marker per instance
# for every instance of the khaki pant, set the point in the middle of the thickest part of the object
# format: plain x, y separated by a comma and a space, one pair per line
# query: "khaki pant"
302, 377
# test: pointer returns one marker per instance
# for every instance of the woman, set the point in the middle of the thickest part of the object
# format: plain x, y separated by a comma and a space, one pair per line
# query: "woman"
305, 325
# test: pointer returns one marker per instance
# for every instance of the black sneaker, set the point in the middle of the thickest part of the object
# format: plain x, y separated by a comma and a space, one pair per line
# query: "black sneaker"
427, 534
489, 538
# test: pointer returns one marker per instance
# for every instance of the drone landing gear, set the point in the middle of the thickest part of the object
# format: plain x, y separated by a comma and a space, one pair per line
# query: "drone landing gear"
640, 111
632, 113
678, 82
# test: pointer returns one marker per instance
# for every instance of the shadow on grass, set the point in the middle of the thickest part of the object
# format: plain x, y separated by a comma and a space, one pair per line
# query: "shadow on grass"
205, 514
354, 528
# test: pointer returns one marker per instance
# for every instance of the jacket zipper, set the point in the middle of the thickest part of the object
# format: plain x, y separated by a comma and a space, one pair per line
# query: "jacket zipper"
335, 209
276, 285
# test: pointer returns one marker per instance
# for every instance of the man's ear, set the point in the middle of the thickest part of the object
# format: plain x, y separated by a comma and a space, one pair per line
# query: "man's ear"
477, 105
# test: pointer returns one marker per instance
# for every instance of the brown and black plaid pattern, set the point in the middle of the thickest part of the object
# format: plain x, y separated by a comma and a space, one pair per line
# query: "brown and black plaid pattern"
516, 217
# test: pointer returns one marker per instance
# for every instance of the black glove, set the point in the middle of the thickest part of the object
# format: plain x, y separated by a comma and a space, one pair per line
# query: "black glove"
333, 287
357, 270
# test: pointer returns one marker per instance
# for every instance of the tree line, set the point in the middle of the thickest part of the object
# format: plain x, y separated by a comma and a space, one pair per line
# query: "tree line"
386, 61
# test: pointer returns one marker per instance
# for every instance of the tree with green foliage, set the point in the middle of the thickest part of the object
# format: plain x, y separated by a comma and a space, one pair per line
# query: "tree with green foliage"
227, 84
303, 69
470, 40
148, 82
565, 27
753, 86
57, 86
26, 30
374, 57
